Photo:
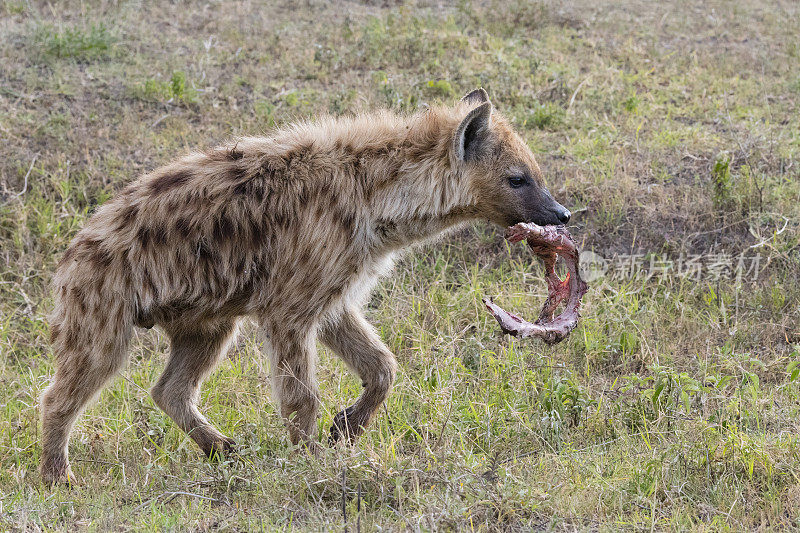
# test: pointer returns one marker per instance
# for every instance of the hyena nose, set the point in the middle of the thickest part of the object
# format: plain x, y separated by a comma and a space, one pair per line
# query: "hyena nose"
564, 215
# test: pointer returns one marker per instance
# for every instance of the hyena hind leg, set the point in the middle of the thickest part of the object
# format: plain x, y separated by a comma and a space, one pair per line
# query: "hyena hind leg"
194, 353
81, 374
353, 339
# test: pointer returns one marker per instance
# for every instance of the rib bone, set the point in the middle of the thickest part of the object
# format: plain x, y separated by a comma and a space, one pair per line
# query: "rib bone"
547, 242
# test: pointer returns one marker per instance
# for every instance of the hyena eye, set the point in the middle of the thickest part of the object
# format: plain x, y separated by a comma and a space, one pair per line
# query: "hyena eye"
517, 181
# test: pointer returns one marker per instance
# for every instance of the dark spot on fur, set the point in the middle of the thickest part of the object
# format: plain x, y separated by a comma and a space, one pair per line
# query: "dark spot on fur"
126, 216
272, 165
169, 181
298, 152
252, 187
126, 280
68, 256
100, 257
223, 228
71, 339
347, 221
79, 296
55, 333
204, 251
240, 266
183, 226
235, 173
159, 235
144, 237
258, 235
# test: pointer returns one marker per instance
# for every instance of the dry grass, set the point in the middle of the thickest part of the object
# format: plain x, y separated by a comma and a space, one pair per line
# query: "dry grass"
670, 128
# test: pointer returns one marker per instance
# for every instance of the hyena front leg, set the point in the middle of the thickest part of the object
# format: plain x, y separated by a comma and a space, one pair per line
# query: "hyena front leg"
195, 351
293, 361
355, 341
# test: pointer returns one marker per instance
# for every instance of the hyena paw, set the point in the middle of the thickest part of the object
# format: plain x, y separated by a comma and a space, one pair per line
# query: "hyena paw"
219, 447
56, 472
313, 448
346, 424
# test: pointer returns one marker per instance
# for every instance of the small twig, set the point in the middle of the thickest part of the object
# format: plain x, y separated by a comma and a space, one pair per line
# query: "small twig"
193, 495
172, 495
136, 385
765, 241
519, 456
388, 419
27, 174
574, 94
157, 122
344, 498
95, 461
358, 509
446, 420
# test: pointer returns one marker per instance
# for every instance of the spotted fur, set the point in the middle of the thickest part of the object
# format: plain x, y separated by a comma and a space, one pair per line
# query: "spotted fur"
292, 229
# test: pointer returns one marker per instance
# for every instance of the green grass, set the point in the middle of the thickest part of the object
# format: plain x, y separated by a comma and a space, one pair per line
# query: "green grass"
80, 42
171, 91
669, 129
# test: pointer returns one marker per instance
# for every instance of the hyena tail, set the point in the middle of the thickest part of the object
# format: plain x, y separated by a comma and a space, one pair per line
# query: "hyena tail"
91, 326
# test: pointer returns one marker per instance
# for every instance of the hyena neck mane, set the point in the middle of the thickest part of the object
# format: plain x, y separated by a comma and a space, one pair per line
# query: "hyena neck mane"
398, 169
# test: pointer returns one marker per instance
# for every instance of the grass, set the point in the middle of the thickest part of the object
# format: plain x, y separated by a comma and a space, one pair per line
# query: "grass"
172, 91
670, 130
79, 42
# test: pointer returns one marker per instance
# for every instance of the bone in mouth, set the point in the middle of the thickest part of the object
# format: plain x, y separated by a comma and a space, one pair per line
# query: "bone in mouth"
547, 242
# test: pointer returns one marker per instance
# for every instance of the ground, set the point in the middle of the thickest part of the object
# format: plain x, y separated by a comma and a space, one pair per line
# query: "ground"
671, 130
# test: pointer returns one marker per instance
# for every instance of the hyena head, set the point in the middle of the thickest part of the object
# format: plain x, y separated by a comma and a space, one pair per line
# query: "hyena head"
502, 173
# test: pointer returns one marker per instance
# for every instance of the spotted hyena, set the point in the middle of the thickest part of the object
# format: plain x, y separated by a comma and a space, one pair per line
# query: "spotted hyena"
291, 229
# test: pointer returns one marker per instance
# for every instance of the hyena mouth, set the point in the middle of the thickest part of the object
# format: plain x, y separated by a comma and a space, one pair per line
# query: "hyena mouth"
548, 243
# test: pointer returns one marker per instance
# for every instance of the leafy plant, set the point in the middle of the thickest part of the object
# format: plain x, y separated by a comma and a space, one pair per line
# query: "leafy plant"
85, 43
721, 182
563, 403
439, 88
175, 90
546, 116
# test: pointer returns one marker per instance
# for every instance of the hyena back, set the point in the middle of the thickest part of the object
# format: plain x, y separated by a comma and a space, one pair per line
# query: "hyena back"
291, 229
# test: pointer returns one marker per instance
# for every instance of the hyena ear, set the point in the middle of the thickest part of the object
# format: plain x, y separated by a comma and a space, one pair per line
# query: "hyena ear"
472, 132
478, 96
